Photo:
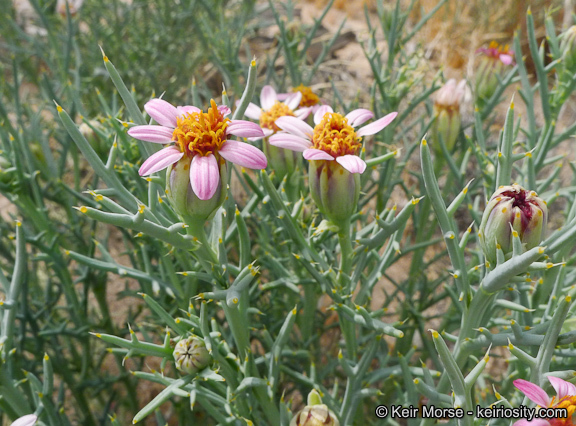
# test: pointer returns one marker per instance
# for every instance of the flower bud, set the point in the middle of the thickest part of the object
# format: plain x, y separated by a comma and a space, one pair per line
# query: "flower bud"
512, 209
334, 190
315, 413
191, 355
447, 112
493, 63
184, 200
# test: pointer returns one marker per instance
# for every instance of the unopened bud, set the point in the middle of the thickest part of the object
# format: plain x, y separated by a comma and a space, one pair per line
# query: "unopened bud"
315, 413
447, 112
191, 355
512, 209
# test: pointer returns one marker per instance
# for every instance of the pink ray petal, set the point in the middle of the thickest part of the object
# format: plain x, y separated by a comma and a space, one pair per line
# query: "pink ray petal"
562, 387
160, 160
288, 141
376, 126
253, 111
352, 163
321, 112
359, 116
266, 132
295, 126
151, 133
316, 154
293, 100
534, 392
243, 154
268, 97
187, 109
303, 113
282, 96
244, 129
27, 420
224, 110
506, 59
162, 112
204, 176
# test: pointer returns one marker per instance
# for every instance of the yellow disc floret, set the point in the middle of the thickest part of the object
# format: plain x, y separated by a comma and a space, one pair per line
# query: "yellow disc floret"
201, 133
309, 98
335, 136
279, 109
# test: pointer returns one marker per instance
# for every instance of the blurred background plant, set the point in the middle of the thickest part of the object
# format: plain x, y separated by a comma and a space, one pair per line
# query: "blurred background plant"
65, 274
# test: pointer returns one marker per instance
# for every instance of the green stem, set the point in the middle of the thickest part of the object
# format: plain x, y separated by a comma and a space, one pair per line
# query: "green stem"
310, 302
205, 251
348, 327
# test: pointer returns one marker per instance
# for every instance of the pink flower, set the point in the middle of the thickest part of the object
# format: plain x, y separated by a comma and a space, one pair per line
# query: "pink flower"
498, 52
201, 139
272, 109
565, 398
333, 138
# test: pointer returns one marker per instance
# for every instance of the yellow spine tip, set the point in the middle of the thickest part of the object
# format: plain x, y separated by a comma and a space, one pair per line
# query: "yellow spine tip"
568, 299
424, 142
59, 108
83, 209
435, 334
46, 357
253, 63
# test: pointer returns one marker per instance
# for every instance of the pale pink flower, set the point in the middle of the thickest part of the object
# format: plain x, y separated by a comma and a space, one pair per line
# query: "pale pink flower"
200, 138
565, 398
27, 420
333, 138
271, 109
451, 95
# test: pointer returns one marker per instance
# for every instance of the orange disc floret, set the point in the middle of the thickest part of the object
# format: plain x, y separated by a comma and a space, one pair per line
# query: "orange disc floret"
335, 136
309, 98
279, 109
569, 403
200, 132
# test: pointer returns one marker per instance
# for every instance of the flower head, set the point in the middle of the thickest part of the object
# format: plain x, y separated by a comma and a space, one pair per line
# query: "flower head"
565, 398
191, 355
332, 147
493, 61
271, 109
512, 212
200, 139
497, 52
333, 138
